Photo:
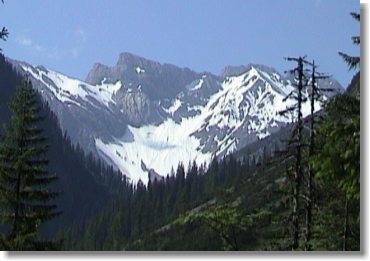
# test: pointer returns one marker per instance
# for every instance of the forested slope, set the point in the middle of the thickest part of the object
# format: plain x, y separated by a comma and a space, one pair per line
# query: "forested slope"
233, 205
81, 179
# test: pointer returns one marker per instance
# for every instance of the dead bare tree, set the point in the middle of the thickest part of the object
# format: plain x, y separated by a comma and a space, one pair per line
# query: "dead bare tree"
297, 142
315, 95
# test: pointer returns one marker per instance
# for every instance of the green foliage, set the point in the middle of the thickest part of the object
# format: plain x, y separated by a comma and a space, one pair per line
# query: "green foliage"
329, 215
226, 220
337, 166
26, 201
338, 157
352, 61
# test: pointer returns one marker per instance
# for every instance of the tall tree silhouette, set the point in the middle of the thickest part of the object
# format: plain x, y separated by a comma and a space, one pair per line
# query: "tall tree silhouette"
25, 198
315, 95
296, 143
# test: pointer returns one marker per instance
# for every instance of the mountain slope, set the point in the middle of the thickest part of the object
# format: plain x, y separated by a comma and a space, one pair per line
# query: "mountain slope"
144, 117
74, 170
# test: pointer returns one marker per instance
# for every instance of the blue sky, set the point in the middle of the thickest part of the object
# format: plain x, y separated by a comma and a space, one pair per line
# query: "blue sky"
204, 35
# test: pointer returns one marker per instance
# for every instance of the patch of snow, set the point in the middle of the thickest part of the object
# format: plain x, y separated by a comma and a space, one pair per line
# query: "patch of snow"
174, 107
160, 147
277, 76
198, 85
262, 135
67, 89
139, 70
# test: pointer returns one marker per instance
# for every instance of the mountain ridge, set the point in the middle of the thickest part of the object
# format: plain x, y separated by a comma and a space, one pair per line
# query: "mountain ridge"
140, 112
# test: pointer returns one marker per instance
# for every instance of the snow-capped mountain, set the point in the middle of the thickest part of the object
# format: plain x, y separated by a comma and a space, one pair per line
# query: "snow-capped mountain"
144, 117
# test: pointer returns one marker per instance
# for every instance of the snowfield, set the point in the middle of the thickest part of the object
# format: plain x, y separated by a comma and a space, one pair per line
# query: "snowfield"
162, 147
159, 147
245, 104
65, 88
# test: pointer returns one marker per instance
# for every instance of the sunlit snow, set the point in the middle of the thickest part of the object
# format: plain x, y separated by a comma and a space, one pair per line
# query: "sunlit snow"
251, 100
162, 147
139, 70
67, 89
174, 107
159, 147
198, 86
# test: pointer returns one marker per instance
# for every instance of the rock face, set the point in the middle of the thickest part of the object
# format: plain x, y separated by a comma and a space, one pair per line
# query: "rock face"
146, 85
157, 80
135, 106
142, 113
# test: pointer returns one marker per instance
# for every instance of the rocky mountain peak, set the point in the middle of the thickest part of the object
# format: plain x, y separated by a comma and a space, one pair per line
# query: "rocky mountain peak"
133, 59
158, 81
229, 71
96, 74
143, 111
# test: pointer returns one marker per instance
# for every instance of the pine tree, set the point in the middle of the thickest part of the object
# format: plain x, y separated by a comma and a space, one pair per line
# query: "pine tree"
4, 32
25, 198
352, 61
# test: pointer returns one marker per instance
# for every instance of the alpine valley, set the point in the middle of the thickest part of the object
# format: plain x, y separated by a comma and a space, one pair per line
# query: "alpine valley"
143, 117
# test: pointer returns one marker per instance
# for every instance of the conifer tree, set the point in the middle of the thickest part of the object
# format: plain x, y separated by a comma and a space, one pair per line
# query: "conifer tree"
352, 61
25, 197
4, 32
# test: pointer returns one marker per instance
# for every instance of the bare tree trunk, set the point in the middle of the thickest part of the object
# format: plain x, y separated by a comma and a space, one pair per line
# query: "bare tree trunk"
298, 168
309, 200
295, 212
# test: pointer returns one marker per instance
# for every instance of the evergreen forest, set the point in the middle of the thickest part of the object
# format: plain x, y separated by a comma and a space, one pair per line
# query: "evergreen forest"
298, 189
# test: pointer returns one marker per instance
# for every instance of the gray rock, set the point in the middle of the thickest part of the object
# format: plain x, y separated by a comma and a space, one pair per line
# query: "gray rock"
148, 94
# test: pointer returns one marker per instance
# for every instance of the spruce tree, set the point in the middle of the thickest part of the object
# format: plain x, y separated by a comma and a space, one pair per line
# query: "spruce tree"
352, 61
25, 196
4, 32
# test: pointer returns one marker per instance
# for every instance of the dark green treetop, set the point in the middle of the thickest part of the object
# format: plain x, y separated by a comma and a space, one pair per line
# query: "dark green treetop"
25, 198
